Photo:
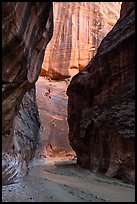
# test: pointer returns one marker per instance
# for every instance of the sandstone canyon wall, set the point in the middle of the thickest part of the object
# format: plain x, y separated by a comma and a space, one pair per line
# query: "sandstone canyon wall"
27, 28
78, 31
52, 106
101, 104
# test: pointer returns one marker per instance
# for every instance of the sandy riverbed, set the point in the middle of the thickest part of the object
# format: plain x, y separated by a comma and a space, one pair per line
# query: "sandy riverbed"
61, 180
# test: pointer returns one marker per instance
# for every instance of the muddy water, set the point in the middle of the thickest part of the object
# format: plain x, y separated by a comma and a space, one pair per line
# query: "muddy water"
61, 180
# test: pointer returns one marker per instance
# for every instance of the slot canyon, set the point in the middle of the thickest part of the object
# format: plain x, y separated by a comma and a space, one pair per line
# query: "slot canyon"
68, 101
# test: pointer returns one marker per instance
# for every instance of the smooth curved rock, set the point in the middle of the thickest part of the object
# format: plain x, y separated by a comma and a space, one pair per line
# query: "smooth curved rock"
101, 104
26, 30
78, 31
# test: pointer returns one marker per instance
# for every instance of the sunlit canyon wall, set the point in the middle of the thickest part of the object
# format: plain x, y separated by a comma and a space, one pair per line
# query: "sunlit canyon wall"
79, 28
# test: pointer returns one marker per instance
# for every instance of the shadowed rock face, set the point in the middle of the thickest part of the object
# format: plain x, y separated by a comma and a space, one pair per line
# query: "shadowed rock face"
78, 31
26, 30
124, 7
101, 106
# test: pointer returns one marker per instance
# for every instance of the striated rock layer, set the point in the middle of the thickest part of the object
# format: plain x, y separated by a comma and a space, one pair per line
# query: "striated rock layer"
78, 31
101, 106
26, 30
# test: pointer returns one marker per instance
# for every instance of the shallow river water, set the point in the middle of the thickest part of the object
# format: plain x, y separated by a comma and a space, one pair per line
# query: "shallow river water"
62, 180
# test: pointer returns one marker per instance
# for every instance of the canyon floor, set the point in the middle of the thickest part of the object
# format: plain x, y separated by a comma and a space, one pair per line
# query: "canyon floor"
62, 180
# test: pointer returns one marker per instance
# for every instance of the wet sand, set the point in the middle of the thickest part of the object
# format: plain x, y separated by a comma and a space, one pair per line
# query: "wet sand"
59, 180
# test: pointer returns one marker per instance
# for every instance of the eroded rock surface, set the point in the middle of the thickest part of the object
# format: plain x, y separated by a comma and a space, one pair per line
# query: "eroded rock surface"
78, 31
26, 29
101, 106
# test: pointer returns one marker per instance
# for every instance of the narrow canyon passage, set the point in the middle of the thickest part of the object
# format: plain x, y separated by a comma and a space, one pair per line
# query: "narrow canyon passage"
52, 103
68, 102
54, 166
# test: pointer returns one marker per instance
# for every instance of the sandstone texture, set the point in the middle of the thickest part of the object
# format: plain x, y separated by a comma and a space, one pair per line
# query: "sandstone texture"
101, 104
26, 30
52, 105
79, 28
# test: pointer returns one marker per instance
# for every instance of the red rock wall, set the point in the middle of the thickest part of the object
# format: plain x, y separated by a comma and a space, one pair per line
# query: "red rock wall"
26, 30
78, 31
52, 105
101, 106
